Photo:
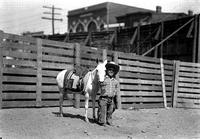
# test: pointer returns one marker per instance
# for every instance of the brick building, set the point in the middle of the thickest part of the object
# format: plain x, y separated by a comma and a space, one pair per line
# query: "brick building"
98, 17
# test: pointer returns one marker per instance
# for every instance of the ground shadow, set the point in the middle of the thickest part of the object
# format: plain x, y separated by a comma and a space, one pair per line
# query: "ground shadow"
77, 116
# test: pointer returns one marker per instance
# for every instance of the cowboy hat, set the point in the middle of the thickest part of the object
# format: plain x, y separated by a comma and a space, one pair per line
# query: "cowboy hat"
112, 65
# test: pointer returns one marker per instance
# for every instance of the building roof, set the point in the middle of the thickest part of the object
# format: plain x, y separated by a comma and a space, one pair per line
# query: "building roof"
157, 17
114, 10
119, 10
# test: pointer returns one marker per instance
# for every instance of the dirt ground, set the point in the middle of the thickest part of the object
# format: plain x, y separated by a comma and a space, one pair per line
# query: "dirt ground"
43, 123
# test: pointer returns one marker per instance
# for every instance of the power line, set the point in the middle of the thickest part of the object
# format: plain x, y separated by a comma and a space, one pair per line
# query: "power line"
53, 19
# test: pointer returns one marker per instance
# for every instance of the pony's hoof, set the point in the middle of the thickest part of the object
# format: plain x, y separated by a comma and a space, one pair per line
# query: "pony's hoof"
95, 119
86, 120
60, 115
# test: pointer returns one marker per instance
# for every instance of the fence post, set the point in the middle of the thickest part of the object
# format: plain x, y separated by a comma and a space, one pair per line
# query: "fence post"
39, 74
163, 82
175, 84
198, 40
1, 69
195, 43
104, 54
119, 105
78, 63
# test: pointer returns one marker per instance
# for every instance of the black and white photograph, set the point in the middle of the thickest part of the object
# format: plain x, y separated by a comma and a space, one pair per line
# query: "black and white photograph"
100, 69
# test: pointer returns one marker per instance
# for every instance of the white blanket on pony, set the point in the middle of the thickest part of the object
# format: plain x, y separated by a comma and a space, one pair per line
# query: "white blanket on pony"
75, 81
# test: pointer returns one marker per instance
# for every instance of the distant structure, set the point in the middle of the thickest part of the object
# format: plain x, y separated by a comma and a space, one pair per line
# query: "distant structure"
98, 17
33, 34
107, 15
149, 17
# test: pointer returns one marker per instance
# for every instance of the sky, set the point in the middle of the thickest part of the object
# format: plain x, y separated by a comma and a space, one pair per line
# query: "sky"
18, 16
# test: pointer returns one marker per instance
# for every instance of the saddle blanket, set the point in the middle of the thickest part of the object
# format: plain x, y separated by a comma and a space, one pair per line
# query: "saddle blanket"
71, 80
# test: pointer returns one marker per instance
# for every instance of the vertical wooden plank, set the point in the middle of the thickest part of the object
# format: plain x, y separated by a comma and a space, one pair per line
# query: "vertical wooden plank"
198, 38
104, 54
138, 40
195, 40
77, 62
176, 79
119, 105
162, 34
1, 68
133, 39
163, 82
157, 36
39, 74
88, 39
173, 81
115, 39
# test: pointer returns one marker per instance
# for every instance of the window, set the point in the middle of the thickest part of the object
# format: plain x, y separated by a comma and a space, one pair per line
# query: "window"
80, 28
92, 27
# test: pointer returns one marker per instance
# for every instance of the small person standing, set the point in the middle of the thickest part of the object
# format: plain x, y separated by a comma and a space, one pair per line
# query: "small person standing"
108, 92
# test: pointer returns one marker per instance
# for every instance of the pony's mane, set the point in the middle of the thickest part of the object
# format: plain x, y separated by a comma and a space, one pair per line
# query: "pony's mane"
99, 67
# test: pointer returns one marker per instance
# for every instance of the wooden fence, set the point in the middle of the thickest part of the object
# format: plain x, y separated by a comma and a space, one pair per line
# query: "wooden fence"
187, 85
28, 69
141, 82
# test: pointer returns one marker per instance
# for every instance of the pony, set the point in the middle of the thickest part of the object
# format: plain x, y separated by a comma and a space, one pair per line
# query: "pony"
90, 82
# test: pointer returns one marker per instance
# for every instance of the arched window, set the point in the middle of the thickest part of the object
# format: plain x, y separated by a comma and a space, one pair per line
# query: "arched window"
92, 27
80, 28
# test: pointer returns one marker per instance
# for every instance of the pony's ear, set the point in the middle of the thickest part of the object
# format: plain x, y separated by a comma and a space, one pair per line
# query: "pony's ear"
105, 62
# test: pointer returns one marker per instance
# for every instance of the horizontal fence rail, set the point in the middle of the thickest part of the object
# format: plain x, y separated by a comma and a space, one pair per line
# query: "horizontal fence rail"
29, 66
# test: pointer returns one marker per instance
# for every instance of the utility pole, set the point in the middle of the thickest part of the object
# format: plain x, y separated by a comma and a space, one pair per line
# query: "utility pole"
52, 13
108, 12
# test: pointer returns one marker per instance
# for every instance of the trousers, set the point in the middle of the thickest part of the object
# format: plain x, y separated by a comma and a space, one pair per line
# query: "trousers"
105, 110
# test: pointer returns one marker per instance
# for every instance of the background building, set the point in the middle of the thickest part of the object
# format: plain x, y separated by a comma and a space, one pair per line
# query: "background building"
148, 17
98, 17
107, 15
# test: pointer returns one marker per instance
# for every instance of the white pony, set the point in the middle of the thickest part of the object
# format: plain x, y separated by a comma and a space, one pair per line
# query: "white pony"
91, 82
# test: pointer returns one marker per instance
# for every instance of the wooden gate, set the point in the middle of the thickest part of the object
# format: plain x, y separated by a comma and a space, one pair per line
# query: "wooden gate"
187, 85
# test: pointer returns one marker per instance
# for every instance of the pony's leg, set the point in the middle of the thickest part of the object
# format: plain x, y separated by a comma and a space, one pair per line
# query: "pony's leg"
86, 106
93, 106
61, 101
